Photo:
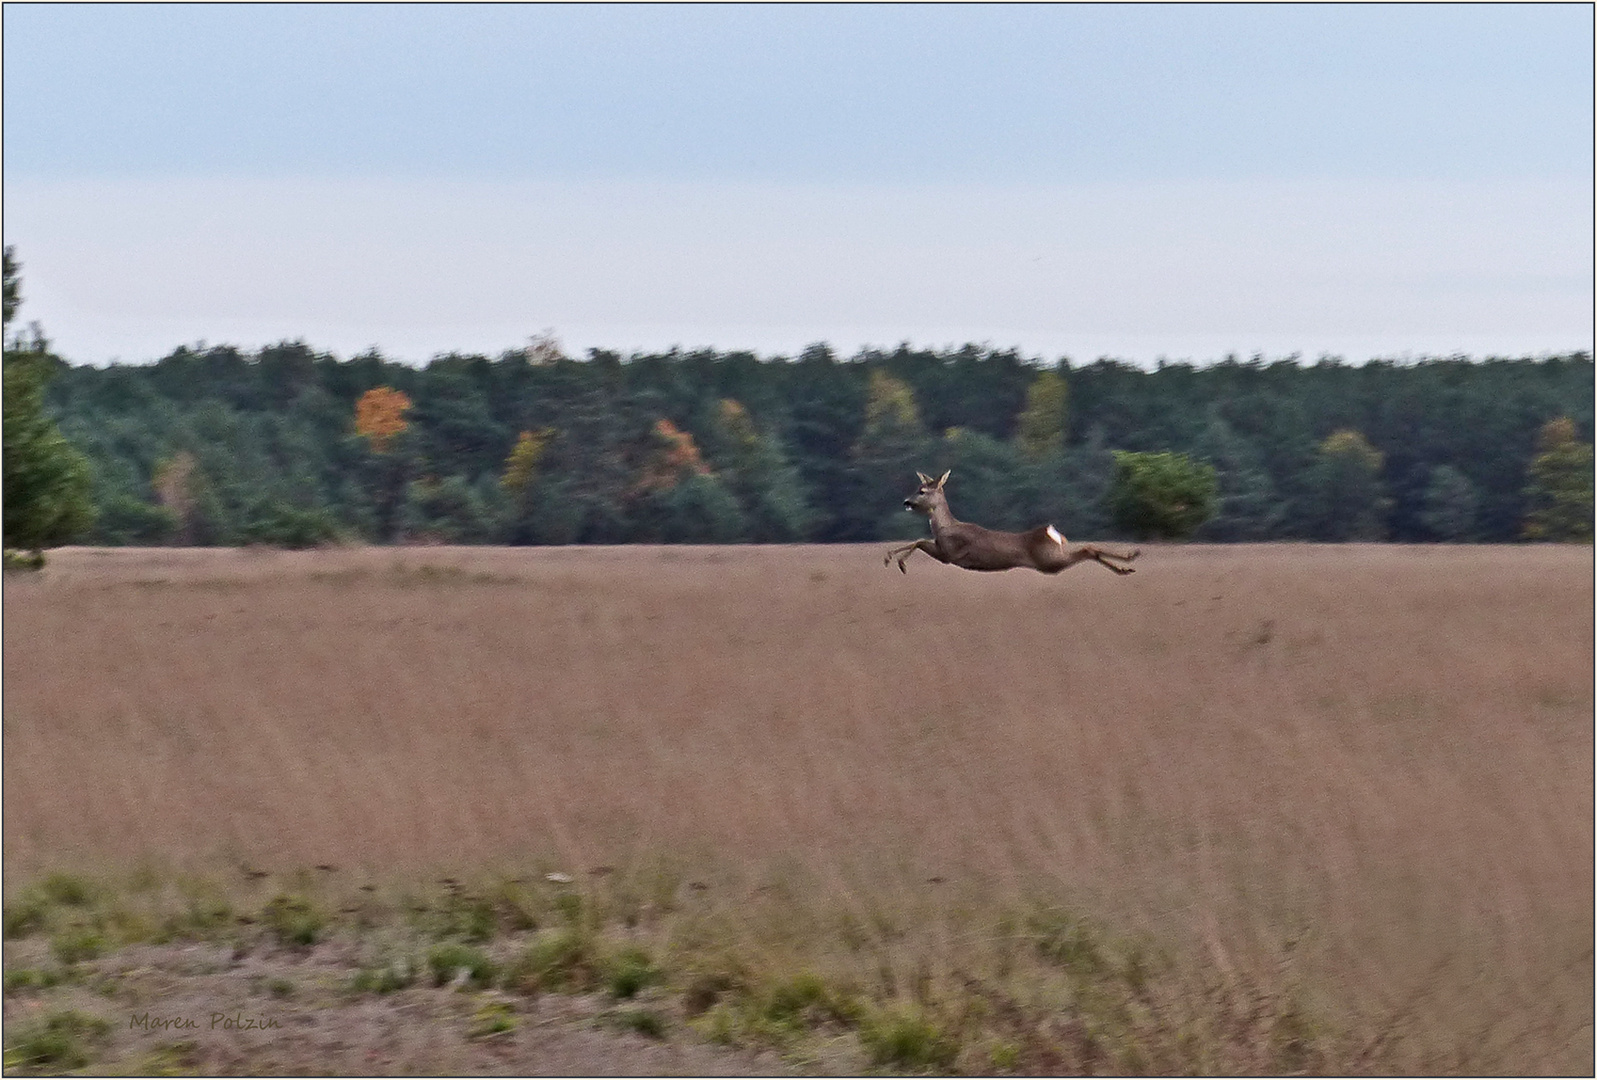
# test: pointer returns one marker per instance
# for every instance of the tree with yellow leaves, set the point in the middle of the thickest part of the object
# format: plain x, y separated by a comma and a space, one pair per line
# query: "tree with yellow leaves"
523, 460
1040, 429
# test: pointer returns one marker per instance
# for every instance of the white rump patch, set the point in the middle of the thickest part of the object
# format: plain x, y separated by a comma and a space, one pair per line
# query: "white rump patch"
1053, 534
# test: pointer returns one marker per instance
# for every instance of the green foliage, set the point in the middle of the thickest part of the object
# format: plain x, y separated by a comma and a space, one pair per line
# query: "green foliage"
453, 959
398, 973
756, 471
23, 560
564, 959
629, 971
172, 1059
13, 284
905, 1037
1451, 505
1041, 428
77, 942
1163, 496
25, 915
279, 524
61, 1041
887, 453
47, 480
448, 510
20, 978
1560, 489
126, 519
68, 889
1347, 498
1248, 506
697, 510
644, 1022
710, 447
992, 483
492, 1018
295, 920
469, 917
806, 999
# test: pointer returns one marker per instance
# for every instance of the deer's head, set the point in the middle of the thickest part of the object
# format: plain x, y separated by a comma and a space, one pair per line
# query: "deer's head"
928, 495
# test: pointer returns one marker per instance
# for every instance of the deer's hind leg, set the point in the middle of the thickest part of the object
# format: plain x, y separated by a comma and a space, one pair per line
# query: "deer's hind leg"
1101, 557
902, 554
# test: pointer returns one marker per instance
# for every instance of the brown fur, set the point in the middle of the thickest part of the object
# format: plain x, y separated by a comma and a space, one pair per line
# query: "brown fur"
972, 547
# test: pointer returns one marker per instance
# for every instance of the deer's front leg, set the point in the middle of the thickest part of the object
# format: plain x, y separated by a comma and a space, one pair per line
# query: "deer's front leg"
902, 554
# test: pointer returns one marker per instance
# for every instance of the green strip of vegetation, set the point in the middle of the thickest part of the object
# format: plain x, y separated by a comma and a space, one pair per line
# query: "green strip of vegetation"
1027, 989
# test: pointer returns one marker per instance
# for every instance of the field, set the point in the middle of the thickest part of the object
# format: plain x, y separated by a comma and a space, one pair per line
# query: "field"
1251, 809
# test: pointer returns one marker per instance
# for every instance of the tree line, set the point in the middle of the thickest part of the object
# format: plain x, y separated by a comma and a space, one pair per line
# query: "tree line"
290, 445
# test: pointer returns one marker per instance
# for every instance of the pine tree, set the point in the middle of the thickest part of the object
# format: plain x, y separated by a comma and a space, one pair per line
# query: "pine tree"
47, 479
1560, 488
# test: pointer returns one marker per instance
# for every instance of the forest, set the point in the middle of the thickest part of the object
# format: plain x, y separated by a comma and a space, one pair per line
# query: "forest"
211, 445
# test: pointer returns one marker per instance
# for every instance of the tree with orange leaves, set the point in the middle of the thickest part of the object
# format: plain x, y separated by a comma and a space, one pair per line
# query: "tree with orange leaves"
674, 455
380, 419
380, 416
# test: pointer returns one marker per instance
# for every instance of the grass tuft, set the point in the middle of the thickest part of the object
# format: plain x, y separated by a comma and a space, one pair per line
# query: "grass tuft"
77, 942
58, 1042
294, 919
492, 1018
172, 1059
564, 959
454, 960
397, 974
628, 971
904, 1036
646, 1022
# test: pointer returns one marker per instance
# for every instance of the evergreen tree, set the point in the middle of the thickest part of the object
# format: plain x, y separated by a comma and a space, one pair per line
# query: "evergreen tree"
47, 479
1451, 504
1560, 488
1346, 496
756, 471
993, 482
1247, 508
887, 454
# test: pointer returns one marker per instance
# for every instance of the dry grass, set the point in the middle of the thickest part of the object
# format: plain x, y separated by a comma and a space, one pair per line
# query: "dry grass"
1378, 760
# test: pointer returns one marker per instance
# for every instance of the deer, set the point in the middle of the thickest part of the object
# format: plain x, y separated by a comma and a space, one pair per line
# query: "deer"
972, 547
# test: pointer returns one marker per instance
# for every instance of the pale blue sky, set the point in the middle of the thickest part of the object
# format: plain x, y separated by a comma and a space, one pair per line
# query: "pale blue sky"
1179, 181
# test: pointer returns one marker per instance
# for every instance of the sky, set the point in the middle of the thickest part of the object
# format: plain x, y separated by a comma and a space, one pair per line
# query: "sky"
1154, 182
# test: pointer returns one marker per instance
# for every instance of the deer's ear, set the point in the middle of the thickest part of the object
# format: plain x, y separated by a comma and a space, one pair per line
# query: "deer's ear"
923, 477
944, 478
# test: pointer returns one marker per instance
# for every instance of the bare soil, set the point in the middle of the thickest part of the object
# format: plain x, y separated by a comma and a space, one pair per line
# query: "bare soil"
210, 1010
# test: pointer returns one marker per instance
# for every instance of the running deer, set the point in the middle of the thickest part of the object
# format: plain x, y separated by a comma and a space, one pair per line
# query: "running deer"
972, 547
